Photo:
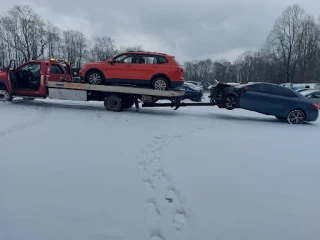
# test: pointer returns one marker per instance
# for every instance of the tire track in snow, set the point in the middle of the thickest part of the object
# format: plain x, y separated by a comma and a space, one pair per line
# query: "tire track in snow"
165, 206
42, 113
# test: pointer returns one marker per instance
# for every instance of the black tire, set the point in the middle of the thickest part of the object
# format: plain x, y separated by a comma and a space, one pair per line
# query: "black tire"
113, 103
5, 96
230, 102
296, 116
94, 78
128, 104
160, 83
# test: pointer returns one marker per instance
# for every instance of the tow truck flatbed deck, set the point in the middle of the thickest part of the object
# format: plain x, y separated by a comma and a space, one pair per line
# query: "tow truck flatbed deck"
115, 89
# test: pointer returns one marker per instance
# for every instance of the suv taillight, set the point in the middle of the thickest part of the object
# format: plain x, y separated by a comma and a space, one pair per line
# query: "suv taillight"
180, 70
316, 106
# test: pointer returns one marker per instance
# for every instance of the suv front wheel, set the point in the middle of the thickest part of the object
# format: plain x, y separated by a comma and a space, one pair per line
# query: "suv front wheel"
160, 83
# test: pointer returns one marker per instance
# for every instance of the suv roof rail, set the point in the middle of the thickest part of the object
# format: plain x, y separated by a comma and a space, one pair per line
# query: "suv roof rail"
147, 52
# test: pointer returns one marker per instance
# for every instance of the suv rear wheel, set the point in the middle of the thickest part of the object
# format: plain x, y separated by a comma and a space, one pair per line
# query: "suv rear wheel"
160, 83
94, 78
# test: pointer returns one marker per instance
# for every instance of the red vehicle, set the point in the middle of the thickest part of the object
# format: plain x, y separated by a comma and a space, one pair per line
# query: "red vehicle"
156, 70
29, 79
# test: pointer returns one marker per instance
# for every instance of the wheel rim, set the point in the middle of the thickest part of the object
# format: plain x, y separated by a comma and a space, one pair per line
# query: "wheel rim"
160, 85
230, 102
296, 117
4, 96
94, 78
113, 103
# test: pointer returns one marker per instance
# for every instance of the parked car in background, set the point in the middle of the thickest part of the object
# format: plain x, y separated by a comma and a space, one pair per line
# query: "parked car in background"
203, 84
313, 95
268, 99
198, 84
155, 70
199, 87
192, 92
304, 89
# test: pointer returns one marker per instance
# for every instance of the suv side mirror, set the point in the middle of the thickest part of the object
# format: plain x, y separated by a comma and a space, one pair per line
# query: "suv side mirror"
110, 61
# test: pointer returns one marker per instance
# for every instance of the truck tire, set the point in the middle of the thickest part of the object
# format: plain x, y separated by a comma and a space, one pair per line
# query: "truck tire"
113, 103
5, 96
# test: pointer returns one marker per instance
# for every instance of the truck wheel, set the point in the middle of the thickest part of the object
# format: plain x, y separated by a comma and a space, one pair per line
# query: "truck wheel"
160, 83
94, 78
5, 96
113, 103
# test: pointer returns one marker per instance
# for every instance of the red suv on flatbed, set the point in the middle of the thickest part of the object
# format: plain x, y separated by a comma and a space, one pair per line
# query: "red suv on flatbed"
156, 70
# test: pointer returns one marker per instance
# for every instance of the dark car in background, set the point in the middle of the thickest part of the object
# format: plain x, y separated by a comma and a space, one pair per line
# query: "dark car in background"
266, 98
192, 92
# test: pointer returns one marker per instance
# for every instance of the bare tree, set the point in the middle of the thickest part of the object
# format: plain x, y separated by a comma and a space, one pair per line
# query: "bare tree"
285, 40
131, 48
103, 48
74, 45
24, 31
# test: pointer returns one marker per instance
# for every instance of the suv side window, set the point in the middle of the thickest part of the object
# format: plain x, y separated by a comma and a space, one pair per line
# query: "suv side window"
125, 58
148, 59
283, 91
161, 60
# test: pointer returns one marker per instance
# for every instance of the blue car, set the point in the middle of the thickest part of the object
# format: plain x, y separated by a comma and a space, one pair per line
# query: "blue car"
193, 93
266, 98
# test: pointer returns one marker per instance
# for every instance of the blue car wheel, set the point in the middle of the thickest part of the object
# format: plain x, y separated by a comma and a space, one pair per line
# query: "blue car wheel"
296, 116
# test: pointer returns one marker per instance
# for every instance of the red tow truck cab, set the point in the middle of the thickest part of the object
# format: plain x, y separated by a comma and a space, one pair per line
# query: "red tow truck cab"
29, 79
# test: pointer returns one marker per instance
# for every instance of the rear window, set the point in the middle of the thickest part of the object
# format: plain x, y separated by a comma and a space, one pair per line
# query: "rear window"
57, 69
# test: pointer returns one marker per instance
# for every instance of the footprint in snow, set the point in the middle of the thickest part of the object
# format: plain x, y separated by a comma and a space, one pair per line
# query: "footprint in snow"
149, 185
179, 219
172, 196
156, 235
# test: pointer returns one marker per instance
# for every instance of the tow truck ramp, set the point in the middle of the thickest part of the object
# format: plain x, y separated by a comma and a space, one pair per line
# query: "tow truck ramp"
57, 87
117, 98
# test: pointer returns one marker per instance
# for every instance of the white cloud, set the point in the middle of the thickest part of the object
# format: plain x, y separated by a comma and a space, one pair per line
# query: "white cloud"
187, 29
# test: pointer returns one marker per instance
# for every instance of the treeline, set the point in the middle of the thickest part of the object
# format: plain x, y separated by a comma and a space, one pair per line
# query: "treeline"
25, 36
291, 52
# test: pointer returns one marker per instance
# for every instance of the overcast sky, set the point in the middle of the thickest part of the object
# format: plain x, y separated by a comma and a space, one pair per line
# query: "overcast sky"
188, 29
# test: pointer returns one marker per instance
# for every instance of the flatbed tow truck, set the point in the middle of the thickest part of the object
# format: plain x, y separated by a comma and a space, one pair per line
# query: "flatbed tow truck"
116, 98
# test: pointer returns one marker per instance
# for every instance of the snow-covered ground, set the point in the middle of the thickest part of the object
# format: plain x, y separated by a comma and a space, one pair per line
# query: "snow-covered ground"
76, 171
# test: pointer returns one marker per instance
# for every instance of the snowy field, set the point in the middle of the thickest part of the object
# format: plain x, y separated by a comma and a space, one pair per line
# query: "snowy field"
76, 171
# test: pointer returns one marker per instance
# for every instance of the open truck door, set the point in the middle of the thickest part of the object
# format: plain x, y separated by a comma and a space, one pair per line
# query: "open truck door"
11, 77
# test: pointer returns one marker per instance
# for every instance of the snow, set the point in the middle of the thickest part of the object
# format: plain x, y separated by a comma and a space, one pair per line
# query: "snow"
71, 170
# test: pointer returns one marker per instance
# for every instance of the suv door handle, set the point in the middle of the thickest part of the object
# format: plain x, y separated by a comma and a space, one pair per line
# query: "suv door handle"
129, 65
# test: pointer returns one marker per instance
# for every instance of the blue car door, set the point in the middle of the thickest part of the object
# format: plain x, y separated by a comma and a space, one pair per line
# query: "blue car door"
254, 98
282, 101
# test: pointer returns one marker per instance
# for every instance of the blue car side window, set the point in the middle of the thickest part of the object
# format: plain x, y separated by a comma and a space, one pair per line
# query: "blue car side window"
283, 91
